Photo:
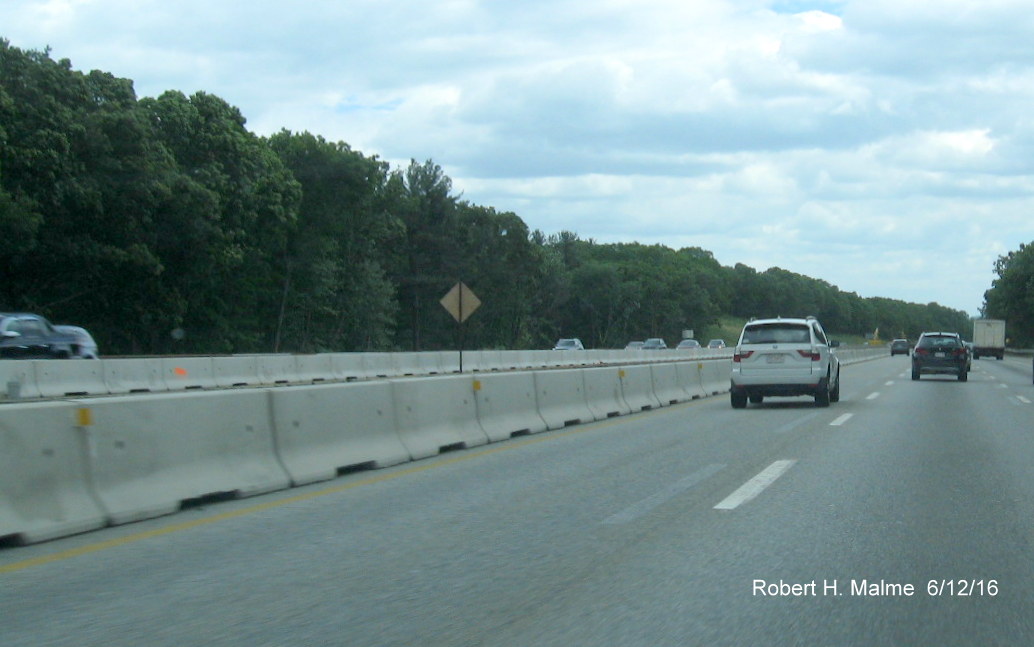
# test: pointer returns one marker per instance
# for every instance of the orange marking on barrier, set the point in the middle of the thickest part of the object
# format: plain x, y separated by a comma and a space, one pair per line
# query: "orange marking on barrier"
182, 372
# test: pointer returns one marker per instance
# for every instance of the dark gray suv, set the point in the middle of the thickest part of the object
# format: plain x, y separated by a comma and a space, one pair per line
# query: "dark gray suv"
899, 346
942, 353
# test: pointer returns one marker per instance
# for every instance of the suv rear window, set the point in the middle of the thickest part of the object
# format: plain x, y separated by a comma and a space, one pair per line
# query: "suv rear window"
939, 341
776, 333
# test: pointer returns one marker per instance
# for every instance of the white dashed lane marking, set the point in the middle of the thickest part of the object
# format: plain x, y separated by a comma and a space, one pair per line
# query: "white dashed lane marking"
873, 396
638, 509
756, 485
793, 424
841, 420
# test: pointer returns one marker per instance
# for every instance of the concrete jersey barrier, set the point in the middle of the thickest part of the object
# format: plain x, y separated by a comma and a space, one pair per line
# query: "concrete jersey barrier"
715, 377
436, 413
603, 392
637, 386
71, 466
315, 369
560, 396
45, 489
689, 378
150, 453
60, 378
30, 379
188, 373
133, 375
666, 385
236, 371
322, 430
506, 405
18, 380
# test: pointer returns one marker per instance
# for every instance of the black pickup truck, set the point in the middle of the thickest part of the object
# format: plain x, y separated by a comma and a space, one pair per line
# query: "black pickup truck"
29, 336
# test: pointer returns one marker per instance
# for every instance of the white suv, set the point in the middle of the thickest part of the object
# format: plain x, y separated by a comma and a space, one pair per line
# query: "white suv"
784, 357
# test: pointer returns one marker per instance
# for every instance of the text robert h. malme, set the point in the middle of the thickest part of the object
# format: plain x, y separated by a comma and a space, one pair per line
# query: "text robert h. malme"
815, 588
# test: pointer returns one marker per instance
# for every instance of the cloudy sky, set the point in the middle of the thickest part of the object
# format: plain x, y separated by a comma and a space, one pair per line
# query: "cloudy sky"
885, 146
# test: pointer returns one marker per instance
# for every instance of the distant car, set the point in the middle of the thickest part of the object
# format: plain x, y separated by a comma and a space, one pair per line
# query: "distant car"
941, 353
688, 344
633, 345
85, 347
899, 346
716, 343
569, 344
30, 336
654, 343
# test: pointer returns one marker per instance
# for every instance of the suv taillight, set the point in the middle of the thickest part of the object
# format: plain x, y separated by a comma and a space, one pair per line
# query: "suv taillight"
810, 354
742, 355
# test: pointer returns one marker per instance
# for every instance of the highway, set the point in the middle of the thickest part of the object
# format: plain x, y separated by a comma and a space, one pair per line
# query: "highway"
901, 515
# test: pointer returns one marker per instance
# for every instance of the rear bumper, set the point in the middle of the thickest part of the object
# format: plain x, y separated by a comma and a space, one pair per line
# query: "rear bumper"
989, 351
760, 388
931, 367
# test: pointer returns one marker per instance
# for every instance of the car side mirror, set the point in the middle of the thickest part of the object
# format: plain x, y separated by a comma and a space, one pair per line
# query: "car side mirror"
834, 343
10, 334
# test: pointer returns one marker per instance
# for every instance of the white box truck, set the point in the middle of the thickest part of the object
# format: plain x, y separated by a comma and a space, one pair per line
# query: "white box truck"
988, 338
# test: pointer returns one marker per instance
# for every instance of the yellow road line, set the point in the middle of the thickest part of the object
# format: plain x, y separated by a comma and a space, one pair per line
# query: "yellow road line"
380, 478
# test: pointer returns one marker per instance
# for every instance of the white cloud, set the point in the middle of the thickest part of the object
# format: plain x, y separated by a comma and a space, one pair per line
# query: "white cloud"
820, 21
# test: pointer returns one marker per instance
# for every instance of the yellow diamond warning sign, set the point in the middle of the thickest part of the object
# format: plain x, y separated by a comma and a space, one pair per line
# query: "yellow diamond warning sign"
461, 302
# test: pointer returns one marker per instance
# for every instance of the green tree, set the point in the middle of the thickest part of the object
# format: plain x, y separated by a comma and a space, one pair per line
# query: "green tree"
498, 260
224, 238
336, 294
79, 185
427, 260
1011, 296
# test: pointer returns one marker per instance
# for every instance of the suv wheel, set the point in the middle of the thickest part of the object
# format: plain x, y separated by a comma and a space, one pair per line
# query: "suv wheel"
963, 375
915, 374
822, 395
834, 395
739, 399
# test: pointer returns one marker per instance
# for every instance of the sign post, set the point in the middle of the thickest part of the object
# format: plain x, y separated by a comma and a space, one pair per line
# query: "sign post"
461, 302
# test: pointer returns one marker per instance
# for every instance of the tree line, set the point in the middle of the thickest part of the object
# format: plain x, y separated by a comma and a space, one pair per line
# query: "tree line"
1011, 296
164, 226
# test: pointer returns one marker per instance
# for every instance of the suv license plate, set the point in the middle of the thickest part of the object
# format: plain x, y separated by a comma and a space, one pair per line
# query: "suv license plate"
774, 359
938, 354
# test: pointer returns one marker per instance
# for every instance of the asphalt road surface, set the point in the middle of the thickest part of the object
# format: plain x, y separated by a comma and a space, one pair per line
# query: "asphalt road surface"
903, 515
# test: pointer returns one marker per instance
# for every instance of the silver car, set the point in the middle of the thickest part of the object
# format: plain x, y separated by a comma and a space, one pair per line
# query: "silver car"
572, 343
84, 347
